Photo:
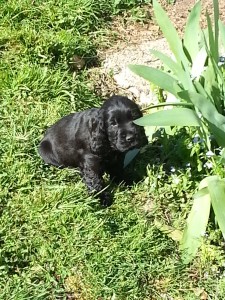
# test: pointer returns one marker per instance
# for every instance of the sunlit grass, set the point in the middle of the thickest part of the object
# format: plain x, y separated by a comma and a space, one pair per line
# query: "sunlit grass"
56, 241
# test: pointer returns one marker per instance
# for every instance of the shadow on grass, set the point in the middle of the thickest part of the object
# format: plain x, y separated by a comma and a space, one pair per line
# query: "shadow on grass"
172, 152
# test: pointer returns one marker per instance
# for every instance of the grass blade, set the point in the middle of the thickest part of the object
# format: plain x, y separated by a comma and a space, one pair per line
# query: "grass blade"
171, 117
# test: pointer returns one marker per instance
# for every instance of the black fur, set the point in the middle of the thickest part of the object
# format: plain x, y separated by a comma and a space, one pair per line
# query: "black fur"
95, 141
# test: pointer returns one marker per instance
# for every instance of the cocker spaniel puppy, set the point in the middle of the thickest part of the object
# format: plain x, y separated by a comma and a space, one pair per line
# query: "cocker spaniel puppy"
95, 141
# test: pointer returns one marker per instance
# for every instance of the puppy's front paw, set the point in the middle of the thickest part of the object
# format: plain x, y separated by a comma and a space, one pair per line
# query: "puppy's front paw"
106, 199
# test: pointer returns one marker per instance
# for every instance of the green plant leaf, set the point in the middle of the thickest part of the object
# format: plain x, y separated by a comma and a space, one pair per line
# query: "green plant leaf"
216, 28
172, 232
159, 78
218, 134
205, 182
192, 31
209, 79
168, 61
164, 104
207, 109
213, 40
217, 193
198, 64
214, 81
170, 34
196, 225
177, 70
171, 117
222, 32
213, 84
130, 156
199, 88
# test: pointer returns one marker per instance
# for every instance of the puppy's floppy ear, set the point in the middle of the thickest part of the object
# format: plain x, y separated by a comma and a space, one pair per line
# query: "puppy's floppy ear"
98, 134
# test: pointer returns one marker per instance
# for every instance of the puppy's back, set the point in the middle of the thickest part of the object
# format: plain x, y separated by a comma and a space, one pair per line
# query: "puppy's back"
63, 140
45, 151
54, 135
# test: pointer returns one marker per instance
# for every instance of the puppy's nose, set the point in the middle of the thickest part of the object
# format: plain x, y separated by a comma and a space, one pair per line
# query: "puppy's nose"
129, 137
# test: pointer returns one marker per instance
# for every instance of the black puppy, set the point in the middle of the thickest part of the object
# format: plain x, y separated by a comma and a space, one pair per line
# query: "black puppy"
95, 141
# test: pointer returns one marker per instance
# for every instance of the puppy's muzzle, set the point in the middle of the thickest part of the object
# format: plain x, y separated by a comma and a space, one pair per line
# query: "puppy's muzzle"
130, 137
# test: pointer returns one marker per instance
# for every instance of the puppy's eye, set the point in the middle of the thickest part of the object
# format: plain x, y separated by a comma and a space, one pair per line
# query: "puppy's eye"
135, 115
132, 116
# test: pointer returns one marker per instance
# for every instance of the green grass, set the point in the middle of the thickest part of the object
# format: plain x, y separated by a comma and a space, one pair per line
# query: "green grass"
56, 241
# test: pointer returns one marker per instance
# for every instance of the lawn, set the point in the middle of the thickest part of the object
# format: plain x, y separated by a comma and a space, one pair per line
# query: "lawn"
56, 241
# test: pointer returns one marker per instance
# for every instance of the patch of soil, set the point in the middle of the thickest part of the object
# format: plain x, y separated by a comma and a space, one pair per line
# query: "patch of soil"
134, 40
129, 32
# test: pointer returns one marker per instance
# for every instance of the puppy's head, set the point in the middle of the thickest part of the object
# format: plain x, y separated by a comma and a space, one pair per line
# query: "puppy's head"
119, 113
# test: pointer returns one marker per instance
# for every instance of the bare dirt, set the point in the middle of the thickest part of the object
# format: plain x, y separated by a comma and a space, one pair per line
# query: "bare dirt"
132, 45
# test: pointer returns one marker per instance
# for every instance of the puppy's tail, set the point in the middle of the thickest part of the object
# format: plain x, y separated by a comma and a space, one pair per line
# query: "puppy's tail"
45, 151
